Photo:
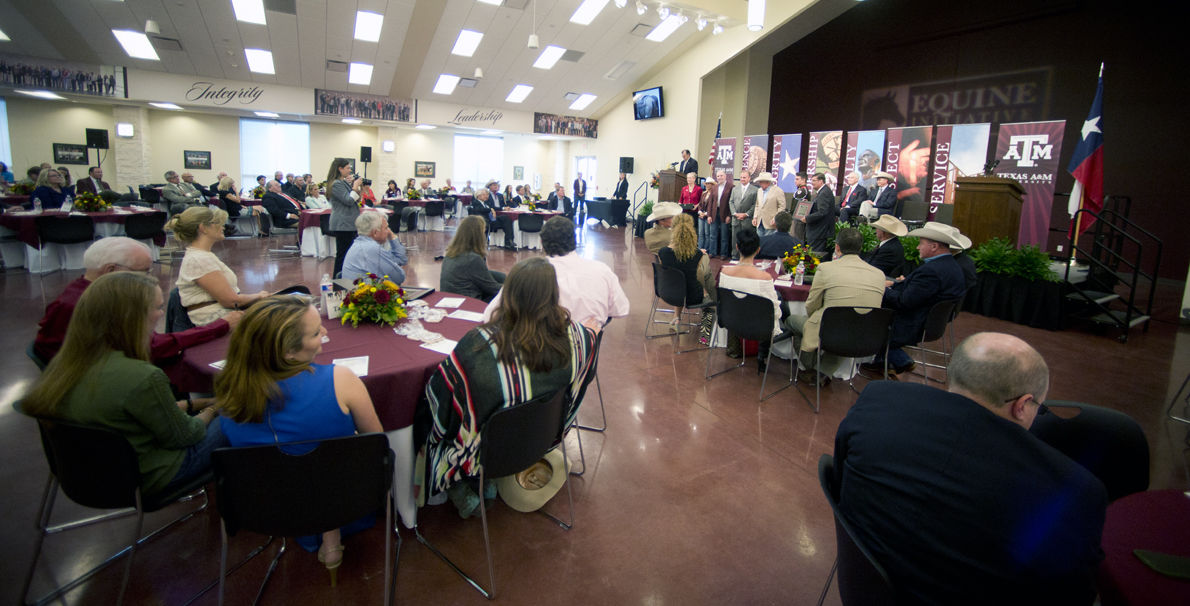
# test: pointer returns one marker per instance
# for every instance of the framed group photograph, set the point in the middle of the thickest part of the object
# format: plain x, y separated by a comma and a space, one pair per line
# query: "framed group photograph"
423, 169
518, 172
196, 160
70, 153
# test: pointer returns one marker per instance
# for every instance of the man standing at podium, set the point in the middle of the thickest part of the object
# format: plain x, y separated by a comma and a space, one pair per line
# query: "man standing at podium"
688, 164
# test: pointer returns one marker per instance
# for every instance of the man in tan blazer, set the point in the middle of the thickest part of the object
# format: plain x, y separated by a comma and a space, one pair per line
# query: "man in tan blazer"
770, 200
847, 281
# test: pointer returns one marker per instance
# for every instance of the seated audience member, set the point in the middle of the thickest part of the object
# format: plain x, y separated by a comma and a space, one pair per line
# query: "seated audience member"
884, 196
208, 288
367, 196
845, 281
231, 201
102, 377
294, 188
375, 251
180, 195
271, 391
683, 254
51, 189
410, 186
426, 191
959, 251
392, 192
889, 254
188, 177
449, 187
31, 175
588, 289
493, 203
6, 176
93, 183
105, 256
559, 200
956, 499
658, 236
214, 187
465, 268
284, 210
747, 278
467, 189
531, 347
315, 198
938, 279
776, 244
853, 196
67, 181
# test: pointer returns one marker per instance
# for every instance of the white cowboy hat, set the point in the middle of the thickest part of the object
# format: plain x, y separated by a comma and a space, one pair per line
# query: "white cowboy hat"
664, 210
939, 232
884, 175
891, 225
764, 177
531, 488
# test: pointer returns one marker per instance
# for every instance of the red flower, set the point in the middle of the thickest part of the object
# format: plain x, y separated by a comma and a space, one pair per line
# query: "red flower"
382, 296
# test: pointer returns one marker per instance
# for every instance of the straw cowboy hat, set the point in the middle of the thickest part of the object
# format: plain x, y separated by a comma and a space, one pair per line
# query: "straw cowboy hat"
941, 232
764, 177
884, 175
891, 225
528, 490
664, 210
489, 183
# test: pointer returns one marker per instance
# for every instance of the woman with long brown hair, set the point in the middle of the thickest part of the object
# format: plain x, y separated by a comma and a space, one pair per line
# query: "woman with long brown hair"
343, 191
272, 392
465, 267
530, 348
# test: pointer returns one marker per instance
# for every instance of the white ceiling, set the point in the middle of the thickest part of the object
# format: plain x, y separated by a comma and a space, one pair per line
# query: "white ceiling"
414, 46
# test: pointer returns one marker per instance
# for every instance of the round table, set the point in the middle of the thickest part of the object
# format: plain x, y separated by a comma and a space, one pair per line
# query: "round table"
533, 239
27, 249
1156, 520
312, 240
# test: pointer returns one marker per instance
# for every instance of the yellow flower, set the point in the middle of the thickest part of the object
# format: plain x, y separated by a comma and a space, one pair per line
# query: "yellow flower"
373, 289
389, 284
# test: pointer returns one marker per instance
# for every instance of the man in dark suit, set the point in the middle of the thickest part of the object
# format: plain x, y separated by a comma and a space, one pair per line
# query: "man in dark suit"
776, 244
295, 187
519, 198
283, 209
820, 223
621, 192
889, 254
853, 196
93, 183
496, 202
562, 202
884, 198
580, 195
688, 164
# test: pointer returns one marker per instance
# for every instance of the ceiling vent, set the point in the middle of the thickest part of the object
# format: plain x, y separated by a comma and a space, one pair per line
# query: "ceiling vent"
619, 70
162, 43
572, 56
336, 66
571, 97
641, 30
468, 82
288, 7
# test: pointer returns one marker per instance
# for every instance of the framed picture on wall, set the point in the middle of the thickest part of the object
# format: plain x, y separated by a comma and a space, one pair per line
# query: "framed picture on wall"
423, 169
518, 172
196, 160
70, 153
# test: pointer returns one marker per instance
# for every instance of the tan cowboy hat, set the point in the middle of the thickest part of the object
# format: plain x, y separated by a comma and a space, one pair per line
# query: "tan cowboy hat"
764, 177
891, 225
664, 210
938, 232
961, 242
489, 183
884, 175
528, 490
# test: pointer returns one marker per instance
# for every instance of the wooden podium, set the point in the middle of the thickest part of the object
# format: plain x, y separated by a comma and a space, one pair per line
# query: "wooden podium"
671, 183
988, 207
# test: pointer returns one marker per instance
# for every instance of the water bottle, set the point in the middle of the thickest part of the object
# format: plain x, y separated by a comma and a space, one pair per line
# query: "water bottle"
799, 274
325, 287
36, 204
68, 204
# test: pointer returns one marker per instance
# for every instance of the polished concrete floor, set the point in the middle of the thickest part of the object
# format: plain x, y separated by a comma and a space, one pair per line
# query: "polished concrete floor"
697, 493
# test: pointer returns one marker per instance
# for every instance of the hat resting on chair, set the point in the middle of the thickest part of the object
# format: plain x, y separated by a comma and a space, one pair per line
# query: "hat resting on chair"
531, 488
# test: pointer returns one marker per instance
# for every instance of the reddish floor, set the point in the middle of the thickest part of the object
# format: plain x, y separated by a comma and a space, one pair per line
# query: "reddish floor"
697, 494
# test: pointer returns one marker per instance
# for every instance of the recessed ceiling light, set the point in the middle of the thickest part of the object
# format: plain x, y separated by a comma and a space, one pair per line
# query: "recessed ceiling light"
351, 121
665, 28
3, 37
519, 92
249, 11
701, 23
425, 127
367, 26
621, 3
492, 2
259, 61
466, 43
582, 102
267, 114
549, 56
587, 11
446, 84
641, 8
42, 94
360, 73
491, 132
136, 44
165, 105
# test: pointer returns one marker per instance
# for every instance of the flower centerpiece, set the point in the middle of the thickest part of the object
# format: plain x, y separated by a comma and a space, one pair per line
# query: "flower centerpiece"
90, 202
801, 253
258, 192
655, 182
375, 299
21, 189
531, 205
412, 194
537, 197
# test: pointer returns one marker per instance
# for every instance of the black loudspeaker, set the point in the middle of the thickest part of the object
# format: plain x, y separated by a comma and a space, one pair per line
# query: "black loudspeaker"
365, 154
625, 165
97, 138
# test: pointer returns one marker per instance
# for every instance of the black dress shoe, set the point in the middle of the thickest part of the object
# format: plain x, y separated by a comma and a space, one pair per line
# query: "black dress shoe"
904, 369
812, 377
761, 365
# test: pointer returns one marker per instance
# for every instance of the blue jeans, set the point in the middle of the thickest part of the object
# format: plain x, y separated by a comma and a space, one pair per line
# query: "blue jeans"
198, 457
724, 238
702, 232
712, 239
897, 358
763, 231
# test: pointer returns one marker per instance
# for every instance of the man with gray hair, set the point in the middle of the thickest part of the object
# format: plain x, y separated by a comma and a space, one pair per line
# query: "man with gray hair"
956, 499
376, 250
181, 195
103, 257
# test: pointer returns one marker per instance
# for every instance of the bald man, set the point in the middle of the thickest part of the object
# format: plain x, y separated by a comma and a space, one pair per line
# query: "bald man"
956, 499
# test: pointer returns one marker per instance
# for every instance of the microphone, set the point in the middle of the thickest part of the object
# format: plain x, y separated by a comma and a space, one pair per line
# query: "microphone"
672, 164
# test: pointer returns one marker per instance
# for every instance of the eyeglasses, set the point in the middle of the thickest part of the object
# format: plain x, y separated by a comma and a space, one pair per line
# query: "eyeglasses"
1042, 409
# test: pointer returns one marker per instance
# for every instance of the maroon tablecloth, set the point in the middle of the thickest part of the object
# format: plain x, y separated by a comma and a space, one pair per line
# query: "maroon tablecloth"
26, 224
1157, 520
311, 218
14, 200
514, 213
398, 367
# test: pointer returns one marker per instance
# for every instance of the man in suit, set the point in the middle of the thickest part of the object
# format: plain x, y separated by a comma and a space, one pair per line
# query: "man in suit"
179, 194
214, 188
284, 209
954, 497
188, 177
551, 201
93, 183
776, 244
718, 219
687, 165
884, 197
889, 254
495, 202
621, 192
845, 281
820, 223
854, 195
742, 206
770, 200
939, 278
580, 195
559, 200
801, 193
519, 198
426, 191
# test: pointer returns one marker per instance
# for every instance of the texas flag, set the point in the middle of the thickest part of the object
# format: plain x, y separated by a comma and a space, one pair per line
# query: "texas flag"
1087, 164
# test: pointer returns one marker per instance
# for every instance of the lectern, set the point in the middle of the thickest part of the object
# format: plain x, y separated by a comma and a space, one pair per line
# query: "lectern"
671, 183
988, 207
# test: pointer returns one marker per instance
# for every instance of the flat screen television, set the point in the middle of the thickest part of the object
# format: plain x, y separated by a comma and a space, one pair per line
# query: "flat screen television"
648, 103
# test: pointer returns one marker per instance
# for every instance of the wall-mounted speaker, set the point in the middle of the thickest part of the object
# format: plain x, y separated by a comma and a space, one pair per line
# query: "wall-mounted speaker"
626, 165
97, 138
365, 154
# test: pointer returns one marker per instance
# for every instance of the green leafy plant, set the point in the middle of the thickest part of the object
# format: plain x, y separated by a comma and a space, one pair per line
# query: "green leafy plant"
646, 209
867, 231
912, 256
999, 256
1032, 264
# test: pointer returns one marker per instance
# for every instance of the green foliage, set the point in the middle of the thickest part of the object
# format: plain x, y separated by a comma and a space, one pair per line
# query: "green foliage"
999, 256
912, 256
646, 209
1032, 264
868, 232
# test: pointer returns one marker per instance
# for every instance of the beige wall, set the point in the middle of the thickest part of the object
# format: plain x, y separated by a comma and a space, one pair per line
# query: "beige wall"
172, 132
35, 125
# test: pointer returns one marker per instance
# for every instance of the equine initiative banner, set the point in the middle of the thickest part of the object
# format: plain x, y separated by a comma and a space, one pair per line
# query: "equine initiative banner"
787, 160
826, 150
865, 152
724, 157
756, 154
959, 150
907, 157
1028, 152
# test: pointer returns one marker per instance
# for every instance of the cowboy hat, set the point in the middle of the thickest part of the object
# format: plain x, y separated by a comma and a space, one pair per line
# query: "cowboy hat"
938, 232
891, 225
493, 181
664, 210
528, 490
764, 177
961, 242
884, 175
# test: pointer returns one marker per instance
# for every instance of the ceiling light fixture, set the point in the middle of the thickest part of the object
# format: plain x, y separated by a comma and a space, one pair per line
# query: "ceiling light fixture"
249, 11
549, 56
160, 105
466, 43
700, 22
151, 27
755, 15
718, 29
367, 26
41, 94
259, 60
446, 84
4, 37
267, 114
534, 42
665, 28
587, 11
641, 8
621, 3
136, 44
478, 73
663, 12
351, 121
492, 2
582, 102
359, 73
518, 94
425, 127
683, 16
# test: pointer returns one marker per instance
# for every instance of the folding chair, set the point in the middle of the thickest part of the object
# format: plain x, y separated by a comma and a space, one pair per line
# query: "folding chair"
513, 439
938, 320
1108, 443
145, 227
669, 286
286, 249
852, 332
529, 223
749, 317
862, 580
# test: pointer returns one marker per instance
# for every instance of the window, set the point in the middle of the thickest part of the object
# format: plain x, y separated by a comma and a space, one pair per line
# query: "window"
268, 146
477, 159
5, 149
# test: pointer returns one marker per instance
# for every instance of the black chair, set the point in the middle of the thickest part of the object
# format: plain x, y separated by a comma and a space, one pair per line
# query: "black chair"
176, 317
862, 580
938, 320
97, 467
749, 317
150, 195
513, 439
945, 214
435, 209
66, 230
853, 332
337, 482
41, 364
529, 224
669, 286
913, 212
145, 226
1109, 443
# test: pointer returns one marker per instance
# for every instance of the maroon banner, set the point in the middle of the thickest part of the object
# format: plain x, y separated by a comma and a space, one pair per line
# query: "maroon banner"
756, 154
1028, 152
907, 157
724, 157
959, 150
826, 148
787, 160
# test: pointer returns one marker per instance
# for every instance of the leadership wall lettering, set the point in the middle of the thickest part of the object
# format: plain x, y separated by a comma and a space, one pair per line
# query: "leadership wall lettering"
1015, 96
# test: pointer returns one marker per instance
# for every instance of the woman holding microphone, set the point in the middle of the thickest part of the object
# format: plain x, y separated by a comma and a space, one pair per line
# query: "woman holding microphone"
344, 195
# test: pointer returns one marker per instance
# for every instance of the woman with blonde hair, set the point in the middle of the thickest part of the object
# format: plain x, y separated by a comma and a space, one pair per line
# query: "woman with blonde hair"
465, 268
314, 197
51, 189
208, 288
102, 377
272, 392
683, 254
228, 196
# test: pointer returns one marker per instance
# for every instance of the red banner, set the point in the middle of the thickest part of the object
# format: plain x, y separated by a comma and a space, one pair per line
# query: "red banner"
1028, 152
724, 157
907, 157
